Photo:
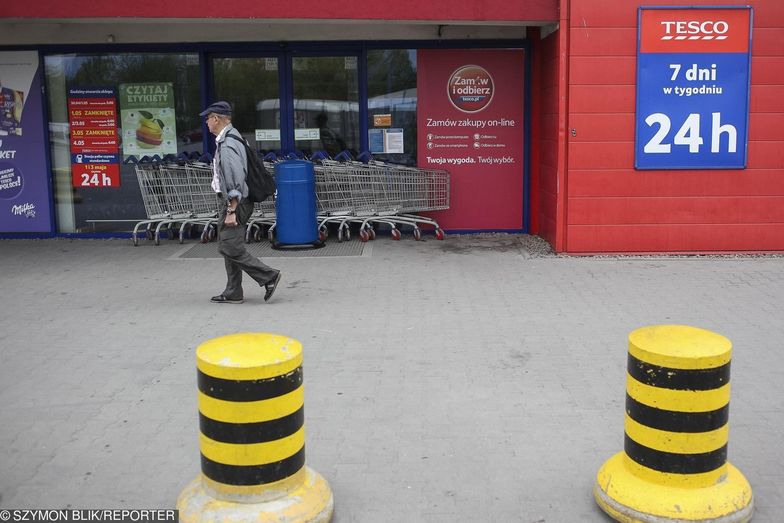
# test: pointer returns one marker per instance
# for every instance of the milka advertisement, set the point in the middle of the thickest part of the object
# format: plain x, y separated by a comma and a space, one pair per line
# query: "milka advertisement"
470, 122
24, 180
148, 119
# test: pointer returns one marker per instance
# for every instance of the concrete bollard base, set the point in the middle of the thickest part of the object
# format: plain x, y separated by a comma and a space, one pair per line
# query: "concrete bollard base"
631, 499
312, 502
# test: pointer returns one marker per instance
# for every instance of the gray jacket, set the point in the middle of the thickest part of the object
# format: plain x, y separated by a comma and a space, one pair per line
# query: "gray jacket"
232, 164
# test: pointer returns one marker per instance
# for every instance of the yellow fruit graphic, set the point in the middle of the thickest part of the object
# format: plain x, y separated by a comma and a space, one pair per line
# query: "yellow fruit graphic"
149, 132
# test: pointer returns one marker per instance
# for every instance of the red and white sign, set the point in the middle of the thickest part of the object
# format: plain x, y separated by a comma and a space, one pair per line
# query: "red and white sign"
470, 122
95, 144
694, 31
470, 88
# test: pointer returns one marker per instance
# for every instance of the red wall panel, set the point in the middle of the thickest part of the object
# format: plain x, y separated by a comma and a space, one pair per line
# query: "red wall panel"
605, 127
591, 41
610, 206
549, 143
543, 10
687, 210
767, 41
602, 98
604, 70
675, 238
767, 70
623, 13
767, 98
675, 184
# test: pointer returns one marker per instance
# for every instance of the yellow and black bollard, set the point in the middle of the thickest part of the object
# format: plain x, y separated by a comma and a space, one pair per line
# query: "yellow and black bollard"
252, 441
674, 465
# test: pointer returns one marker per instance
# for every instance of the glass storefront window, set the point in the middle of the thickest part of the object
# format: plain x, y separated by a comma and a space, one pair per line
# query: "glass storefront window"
251, 85
159, 115
326, 104
392, 103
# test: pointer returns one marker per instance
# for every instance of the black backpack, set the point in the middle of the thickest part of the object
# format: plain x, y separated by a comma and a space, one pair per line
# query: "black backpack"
261, 184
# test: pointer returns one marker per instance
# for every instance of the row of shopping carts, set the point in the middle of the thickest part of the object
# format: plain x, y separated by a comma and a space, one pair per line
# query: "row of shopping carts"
178, 197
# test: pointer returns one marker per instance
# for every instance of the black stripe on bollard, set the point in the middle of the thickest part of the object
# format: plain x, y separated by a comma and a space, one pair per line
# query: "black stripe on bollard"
678, 379
674, 463
249, 390
673, 421
259, 432
245, 475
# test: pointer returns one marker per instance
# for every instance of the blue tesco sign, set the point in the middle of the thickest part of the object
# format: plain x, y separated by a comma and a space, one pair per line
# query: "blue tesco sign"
693, 74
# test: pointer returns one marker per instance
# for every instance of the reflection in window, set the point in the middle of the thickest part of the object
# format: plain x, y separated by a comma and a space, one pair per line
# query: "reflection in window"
326, 108
392, 99
114, 209
250, 85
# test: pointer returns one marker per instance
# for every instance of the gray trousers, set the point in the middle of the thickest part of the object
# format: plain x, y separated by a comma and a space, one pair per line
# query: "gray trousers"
231, 245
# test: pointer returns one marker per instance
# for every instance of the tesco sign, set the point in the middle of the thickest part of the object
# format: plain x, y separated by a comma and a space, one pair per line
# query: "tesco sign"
693, 73
704, 29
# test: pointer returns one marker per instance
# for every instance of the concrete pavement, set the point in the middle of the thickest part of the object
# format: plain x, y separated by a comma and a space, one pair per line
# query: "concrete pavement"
467, 380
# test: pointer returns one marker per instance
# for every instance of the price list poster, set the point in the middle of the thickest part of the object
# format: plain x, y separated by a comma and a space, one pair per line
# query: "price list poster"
95, 148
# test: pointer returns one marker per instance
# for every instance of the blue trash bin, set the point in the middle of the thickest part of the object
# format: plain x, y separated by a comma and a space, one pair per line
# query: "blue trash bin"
295, 205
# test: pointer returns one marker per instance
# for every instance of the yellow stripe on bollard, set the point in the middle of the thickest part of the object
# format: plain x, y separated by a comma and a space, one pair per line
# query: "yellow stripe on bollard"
677, 442
674, 463
254, 453
251, 411
678, 400
252, 441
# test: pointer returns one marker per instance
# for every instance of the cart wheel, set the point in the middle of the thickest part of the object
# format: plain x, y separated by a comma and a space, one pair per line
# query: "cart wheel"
135, 240
364, 235
271, 235
248, 234
439, 234
205, 235
347, 233
323, 234
182, 237
395, 234
157, 239
258, 235
372, 233
213, 233
150, 235
340, 234
417, 234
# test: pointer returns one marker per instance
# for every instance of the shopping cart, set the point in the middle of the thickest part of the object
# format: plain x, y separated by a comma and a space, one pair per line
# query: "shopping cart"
151, 185
204, 201
378, 193
176, 197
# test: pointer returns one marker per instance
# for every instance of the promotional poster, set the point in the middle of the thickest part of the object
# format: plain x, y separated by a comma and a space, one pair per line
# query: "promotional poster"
148, 119
24, 180
470, 122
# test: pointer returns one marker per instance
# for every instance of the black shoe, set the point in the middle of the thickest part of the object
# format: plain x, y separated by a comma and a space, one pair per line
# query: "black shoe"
220, 298
270, 286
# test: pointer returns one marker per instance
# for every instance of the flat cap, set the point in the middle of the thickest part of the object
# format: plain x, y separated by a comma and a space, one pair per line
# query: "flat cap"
220, 107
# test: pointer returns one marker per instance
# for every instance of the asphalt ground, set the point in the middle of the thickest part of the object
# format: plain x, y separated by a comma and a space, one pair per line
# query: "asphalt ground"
473, 379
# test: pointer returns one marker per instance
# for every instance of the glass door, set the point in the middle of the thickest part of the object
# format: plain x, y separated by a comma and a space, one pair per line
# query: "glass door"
252, 86
325, 92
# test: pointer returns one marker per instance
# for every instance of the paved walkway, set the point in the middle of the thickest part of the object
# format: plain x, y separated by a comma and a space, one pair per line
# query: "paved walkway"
466, 380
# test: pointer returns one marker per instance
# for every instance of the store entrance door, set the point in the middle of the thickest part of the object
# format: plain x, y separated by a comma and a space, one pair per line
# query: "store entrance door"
252, 86
293, 102
325, 91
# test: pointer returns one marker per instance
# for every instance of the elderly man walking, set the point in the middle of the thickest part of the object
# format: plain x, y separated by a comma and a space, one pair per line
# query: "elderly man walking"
230, 169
